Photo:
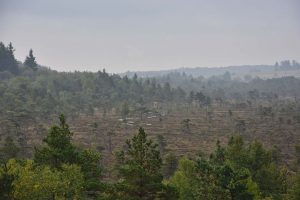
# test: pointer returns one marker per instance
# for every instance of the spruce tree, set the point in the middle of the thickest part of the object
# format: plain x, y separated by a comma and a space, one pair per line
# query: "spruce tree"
59, 148
140, 169
30, 61
7, 59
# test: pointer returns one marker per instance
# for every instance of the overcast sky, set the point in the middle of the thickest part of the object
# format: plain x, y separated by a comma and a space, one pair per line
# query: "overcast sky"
122, 35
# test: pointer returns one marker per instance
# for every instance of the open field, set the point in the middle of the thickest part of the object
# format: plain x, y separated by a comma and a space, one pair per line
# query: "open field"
206, 125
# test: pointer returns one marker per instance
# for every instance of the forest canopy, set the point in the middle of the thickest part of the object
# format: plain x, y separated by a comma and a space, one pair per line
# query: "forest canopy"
100, 155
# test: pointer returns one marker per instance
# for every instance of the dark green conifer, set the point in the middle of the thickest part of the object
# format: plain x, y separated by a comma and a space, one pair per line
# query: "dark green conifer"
30, 61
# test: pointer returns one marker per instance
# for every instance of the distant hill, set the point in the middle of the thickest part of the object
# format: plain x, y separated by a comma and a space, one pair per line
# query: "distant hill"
285, 68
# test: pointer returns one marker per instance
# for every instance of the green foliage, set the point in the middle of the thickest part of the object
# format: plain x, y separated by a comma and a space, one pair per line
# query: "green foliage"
236, 172
294, 190
236, 152
6, 183
60, 170
270, 179
30, 61
45, 92
59, 148
161, 141
90, 166
7, 59
33, 183
238, 182
183, 179
139, 169
59, 151
193, 181
170, 165
9, 150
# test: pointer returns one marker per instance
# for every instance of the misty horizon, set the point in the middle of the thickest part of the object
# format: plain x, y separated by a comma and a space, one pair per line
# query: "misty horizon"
145, 36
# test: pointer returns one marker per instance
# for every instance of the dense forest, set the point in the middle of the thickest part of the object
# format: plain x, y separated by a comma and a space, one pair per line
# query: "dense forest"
208, 137
29, 90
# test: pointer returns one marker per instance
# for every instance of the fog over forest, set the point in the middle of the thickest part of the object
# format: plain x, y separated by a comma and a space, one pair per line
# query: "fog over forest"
149, 100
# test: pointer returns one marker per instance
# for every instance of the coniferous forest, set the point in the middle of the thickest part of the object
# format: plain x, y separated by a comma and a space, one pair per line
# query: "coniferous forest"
97, 135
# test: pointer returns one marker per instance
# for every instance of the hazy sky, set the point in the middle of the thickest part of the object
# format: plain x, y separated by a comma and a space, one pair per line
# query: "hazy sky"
122, 35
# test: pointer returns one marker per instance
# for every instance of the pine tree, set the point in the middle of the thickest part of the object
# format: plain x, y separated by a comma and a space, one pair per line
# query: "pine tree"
13, 65
30, 61
140, 169
7, 59
59, 148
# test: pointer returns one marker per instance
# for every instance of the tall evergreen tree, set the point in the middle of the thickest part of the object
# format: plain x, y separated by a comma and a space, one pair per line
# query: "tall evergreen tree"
59, 148
7, 59
13, 65
140, 169
30, 61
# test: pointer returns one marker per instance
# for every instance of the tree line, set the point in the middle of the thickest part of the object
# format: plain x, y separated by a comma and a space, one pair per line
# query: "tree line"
9, 63
30, 91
